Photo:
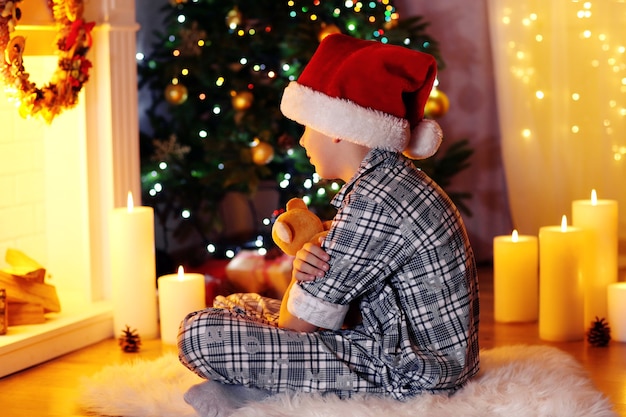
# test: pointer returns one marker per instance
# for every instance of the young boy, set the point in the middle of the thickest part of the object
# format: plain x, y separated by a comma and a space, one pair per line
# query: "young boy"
397, 250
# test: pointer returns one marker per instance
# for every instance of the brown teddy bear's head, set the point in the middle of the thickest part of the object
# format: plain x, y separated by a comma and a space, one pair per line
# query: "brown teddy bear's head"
296, 226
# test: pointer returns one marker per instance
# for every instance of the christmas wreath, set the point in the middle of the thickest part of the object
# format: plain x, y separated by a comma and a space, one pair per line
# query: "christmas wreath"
73, 41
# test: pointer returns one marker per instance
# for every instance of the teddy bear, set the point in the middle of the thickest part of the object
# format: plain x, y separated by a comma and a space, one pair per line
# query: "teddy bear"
297, 226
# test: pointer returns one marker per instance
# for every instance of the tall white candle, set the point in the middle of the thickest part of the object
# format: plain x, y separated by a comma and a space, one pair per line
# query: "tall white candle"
179, 295
133, 270
561, 297
599, 218
515, 278
617, 310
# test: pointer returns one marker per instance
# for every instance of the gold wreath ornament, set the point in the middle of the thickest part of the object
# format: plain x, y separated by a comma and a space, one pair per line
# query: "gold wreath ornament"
73, 41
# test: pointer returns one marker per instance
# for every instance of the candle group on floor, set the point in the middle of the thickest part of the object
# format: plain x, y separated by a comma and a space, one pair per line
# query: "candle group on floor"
134, 282
564, 278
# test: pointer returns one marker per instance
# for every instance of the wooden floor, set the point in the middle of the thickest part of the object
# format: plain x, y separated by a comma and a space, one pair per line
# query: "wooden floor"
50, 389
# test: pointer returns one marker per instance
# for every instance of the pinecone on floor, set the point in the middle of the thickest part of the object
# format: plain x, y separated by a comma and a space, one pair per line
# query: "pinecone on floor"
599, 334
129, 341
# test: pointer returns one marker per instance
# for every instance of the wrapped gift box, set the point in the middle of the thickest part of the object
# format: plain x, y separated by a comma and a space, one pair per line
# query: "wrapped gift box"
250, 272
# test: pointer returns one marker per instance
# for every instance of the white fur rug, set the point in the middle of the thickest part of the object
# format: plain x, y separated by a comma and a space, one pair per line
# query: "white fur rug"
515, 381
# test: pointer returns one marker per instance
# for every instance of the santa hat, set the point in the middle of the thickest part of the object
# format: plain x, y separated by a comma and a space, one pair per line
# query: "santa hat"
368, 93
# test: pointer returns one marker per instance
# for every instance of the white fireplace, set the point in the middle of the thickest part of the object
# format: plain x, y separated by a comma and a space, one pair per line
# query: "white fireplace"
59, 182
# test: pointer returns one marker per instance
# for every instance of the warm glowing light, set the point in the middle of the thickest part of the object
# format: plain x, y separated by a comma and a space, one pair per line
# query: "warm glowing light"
594, 197
564, 223
181, 273
539, 94
129, 202
514, 236
526, 133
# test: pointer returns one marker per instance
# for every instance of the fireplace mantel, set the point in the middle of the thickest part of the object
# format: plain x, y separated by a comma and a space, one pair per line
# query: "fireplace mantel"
107, 124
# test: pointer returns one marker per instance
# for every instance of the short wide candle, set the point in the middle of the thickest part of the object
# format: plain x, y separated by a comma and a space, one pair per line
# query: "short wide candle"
133, 270
561, 295
515, 278
617, 310
179, 295
599, 218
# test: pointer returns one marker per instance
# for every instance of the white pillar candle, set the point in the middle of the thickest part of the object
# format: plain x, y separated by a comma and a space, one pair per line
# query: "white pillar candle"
599, 218
133, 270
561, 297
515, 278
616, 302
179, 295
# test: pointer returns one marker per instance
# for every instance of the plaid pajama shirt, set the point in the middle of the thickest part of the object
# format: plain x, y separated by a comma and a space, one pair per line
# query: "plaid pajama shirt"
400, 252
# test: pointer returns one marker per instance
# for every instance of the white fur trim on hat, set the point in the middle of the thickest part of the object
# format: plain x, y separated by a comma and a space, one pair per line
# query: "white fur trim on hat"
344, 119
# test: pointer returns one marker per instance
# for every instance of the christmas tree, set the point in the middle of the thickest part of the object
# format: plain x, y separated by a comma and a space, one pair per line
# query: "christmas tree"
215, 78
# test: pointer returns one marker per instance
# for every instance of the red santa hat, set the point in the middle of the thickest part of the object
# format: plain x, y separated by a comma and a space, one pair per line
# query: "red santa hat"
368, 93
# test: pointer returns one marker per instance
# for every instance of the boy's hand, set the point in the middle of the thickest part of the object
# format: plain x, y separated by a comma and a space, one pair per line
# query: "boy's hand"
311, 262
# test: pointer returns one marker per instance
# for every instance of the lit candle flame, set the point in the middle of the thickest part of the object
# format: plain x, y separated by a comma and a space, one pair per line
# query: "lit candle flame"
594, 197
564, 223
181, 273
129, 202
514, 235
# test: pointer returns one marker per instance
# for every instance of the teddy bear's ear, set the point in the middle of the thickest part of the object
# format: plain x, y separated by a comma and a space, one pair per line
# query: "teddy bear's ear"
283, 231
296, 203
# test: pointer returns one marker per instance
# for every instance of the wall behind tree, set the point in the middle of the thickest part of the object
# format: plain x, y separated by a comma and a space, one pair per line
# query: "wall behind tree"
467, 80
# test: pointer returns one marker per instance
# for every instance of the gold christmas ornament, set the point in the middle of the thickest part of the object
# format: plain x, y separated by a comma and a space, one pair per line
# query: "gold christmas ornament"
437, 104
242, 100
233, 18
262, 152
327, 30
176, 94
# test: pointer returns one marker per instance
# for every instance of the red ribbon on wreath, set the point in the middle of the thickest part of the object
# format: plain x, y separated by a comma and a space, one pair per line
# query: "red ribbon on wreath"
78, 28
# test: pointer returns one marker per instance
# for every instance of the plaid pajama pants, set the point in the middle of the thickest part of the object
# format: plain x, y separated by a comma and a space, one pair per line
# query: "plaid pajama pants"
238, 342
